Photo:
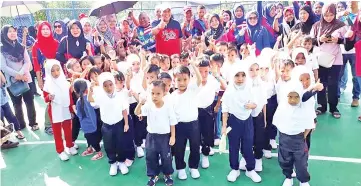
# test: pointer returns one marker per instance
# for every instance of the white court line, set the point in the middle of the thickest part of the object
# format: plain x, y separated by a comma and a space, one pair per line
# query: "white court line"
2, 162
321, 158
33, 133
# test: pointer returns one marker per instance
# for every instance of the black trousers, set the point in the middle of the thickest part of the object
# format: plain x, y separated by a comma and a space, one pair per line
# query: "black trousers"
187, 131
140, 127
271, 130
93, 139
259, 136
158, 145
329, 77
206, 125
75, 128
293, 152
32, 85
129, 149
114, 140
28, 98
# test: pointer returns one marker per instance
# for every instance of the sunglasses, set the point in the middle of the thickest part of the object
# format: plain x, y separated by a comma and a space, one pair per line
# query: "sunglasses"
254, 18
57, 26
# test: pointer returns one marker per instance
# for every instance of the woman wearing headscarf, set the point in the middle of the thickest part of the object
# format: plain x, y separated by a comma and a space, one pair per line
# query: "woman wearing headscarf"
254, 33
238, 23
60, 30
111, 21
329, 33
307, 19
16, 63
317, 8
107, 38
216, 31
144, 33
94, 39
266, 18
74, 45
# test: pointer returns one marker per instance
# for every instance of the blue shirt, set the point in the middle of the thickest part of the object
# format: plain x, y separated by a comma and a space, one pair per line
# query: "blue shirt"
146, 37
88, 122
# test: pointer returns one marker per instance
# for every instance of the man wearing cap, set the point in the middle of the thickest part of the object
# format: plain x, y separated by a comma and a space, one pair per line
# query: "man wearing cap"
167, 32
187, 26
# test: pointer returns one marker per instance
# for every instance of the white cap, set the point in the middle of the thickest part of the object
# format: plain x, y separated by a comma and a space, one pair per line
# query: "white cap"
165, 6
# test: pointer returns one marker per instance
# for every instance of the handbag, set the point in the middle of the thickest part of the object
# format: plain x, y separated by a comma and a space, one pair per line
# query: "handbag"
325, 59
17, 88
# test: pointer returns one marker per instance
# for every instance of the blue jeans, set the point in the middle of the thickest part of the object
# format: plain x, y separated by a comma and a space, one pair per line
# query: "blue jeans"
351, 58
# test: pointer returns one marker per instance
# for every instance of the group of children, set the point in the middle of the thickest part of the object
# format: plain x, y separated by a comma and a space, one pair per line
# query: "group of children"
171, 101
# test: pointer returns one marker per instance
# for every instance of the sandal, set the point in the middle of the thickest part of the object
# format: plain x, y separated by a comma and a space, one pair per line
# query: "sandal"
49, 131
89, 151
20, 137
336, 115
35, 128
319, 112
97, 156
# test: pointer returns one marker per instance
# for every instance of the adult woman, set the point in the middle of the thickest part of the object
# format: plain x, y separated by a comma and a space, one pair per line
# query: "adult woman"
307, 19
254, 33
329, 33
108, 40
111, 21
238, 23
144, 33
267, 19
15, 63
317, 8
94, 39
356, 28
216, 32
74, 45
226, 16
60, 30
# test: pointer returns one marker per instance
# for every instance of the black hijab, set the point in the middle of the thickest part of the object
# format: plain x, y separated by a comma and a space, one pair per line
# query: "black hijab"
76, 45
32, 31
11, 50
305, 27
214, 33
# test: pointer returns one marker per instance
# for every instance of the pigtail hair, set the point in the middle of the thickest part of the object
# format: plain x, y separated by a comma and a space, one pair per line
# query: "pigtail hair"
80, 86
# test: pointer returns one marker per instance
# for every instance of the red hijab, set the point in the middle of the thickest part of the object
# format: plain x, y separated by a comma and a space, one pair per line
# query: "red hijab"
47, 45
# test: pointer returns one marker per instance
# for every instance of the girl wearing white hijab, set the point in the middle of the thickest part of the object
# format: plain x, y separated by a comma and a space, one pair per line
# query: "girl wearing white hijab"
58, 96
113, 112
294, 121
301, 57
238, 102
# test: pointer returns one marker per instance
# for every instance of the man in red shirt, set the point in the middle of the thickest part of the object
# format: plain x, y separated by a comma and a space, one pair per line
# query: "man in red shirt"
168, 33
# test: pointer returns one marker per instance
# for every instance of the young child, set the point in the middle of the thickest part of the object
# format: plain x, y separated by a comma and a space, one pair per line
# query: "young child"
88, 120
113, 112
167, 80
58, 96
294, 122
200, 24
238, 102
209, 87
184, 101
161, 122
283, 76
232, 60
175, 61
222, 48
184, 59
311, 60
164, 63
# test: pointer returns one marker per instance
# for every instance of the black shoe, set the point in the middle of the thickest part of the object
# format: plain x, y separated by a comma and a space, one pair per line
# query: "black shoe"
9, 145
152, 181
168, 180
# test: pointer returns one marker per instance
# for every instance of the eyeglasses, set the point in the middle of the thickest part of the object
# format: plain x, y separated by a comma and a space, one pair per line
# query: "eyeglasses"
254, 18
57, 26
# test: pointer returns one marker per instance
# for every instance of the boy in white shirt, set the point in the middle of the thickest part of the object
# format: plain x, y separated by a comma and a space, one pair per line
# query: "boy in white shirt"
184, 101
161, 122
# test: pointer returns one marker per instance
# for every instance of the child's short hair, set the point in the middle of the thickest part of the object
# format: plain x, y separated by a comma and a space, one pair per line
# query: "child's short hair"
174, 56
201, 7
204, 62
154, 56
208, 52
104, 57
289, 63
232, 49
153, 69
89, 58
219, 58
182, 70
232, 45
222, 43
160, 84
164, 75
118, 76
163, 58
94, 70
184, 55
307, 39
70, 63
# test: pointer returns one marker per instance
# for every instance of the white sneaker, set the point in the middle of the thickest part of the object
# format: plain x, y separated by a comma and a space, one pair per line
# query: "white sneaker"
242, 164
205, 162
211, 151
304, 184
254, 176
288, 182
160, 160
267, 154
294, 174
258, 167
216, 142
273, 144
63, 156
195, 173
128, 163
113, 169
140, 152
76, 146
233, 175
143, 144
123, 168
182, 175
73, 151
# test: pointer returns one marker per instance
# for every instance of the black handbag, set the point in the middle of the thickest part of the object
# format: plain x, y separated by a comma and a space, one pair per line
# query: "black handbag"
18, 88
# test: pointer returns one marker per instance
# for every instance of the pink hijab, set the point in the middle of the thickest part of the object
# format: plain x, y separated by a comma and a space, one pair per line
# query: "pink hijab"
115, 30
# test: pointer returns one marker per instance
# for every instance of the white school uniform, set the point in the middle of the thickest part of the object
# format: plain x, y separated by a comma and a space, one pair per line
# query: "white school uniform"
281, 87
227, 68
208, 92
111, 106
186, 104
159, 120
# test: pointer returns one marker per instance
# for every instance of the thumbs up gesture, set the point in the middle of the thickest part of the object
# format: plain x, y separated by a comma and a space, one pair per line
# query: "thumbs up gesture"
318, 86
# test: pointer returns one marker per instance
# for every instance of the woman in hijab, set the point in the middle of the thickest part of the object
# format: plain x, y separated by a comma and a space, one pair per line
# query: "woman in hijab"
266, 19
307, 19
111, 21
16, 63
254, 33
329, 33
317, 8
94, 39
238, 23
74, 45
60, 30
106, 35
216, 31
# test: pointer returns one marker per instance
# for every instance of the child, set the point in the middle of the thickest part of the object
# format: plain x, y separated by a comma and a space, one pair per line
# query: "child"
311, 51
167, 80
88, 120
258, 114
208, 89
222, 48
161, 122
232, 60
115, 123
58, 96
283, 70
86, 61
184, 59
175, 61
238, 102
164, 63
294, 122
201, 24
184, 101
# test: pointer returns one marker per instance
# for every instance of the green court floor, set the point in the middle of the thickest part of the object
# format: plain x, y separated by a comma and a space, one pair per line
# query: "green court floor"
335, 160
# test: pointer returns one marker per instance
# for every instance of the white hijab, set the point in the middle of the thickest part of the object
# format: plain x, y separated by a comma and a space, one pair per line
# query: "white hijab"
58, 87
303, 51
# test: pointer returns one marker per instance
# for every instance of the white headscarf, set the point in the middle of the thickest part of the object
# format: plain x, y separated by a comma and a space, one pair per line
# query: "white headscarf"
303, 51
58, 87
299, 70
87, 36
106, 76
